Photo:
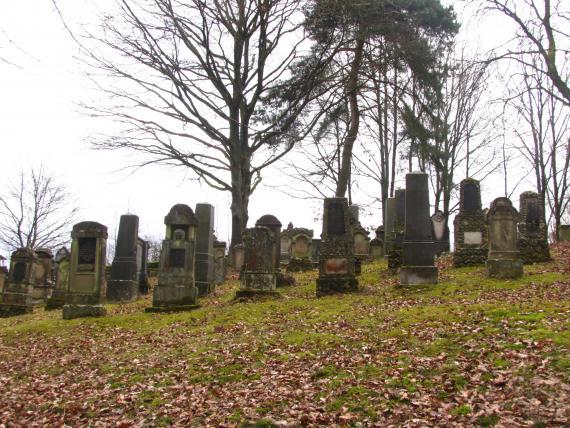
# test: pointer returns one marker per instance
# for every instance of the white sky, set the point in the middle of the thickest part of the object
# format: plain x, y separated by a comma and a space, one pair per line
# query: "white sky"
39, 123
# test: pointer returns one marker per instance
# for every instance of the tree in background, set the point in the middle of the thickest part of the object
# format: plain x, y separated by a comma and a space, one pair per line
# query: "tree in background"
36, 212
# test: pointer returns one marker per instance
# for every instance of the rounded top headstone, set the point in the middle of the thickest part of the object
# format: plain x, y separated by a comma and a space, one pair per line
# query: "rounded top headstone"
268, 220
181, 214
89, 228
44, 253
502, 206
24, 252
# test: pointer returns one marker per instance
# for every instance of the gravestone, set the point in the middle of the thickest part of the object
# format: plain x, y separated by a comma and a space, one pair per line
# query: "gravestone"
504, 260
205, 249
361, 239
532, 228
377, 245
470, 227
176, 289
239, 256
285, 244
564, 232
389, 217
300, 250
43, 272
123, 285
315, 251
3, 275
274, 225
219, 262
418, 248
62, 260
87, 286
142, 266
258, 276
395, 254
336, 264
17, 294
440, 233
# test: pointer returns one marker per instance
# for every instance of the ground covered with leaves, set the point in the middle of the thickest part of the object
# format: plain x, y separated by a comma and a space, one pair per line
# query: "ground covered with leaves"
469, 351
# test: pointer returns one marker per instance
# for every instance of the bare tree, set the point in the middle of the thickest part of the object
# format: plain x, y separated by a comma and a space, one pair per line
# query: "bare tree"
154, 247
36, 212
187, 80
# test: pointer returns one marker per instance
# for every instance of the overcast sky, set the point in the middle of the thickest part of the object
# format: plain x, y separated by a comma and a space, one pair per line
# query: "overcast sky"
40, 123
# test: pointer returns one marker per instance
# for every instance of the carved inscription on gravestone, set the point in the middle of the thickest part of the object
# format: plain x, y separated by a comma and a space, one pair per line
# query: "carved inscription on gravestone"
473, 238
336, 266
176, 258
86, 256
19, 272
335, 223
471, 197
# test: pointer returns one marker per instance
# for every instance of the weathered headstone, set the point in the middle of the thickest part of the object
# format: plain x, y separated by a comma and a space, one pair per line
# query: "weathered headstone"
395, 254
564, 232
274, 225
361, 239
440, 233
336, 264
142, 266
504, 258
285, 244
205, 249
315, 251
219, 262
470, 227
377, 244
123, 285
418, 248
389, 217
17, 293
176, 289
258, 276
239, 256
532, 228
62, 260
3, 274
87, 286
300, 249
43, 283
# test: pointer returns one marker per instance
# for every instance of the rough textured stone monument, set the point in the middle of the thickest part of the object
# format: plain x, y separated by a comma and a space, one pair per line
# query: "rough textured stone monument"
43, 283
336, 264
219, 262
564, 232
142, 266
504, 260
440, 233
62, 260
258, 276
395, 254
205, 249
87, 287
532, 228
123, 285
285, 244
377, 245
418, 248
470, 227
274, 225
239, 256
176, 290
300, 250
361, 239
389, 217
17, 293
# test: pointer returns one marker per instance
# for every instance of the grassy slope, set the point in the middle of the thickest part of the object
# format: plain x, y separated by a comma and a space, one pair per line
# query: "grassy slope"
469, 351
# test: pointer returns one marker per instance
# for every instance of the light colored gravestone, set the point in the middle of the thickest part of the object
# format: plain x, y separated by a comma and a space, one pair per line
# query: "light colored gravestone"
389, 217
62, 260
142, 266
564, 232
87, 287
17, 293
123, 285
219, 262
239, 256
440, 232
176, 289
395, 254
300, 250
418, 252
205, 249
470, 227
43, 283
377, 245
532, 228
336, 264
258, 276
504, 258
285, 244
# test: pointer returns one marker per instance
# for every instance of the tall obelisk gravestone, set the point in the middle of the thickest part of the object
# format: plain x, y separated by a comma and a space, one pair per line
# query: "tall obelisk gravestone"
204, 272
123, 285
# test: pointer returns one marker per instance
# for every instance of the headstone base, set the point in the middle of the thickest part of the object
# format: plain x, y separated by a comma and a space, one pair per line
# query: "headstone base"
299, 265
534, 250
122, 291
418, 275
284, 280
469, 257
204, 288
357, 266
256, 295
394, 261
81, 311
174, 295
258, 281
333, 285
56, 301
504, 268
171, 308
7, 311
41, 293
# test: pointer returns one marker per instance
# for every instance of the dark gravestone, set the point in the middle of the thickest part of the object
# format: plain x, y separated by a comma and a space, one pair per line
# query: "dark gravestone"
142, 266
395, 254
389, 217
176, 258
87, 253
19, 272
532, 229
418, 249
123, 285
205, 249
274, 225
17, 294
471, 197
336, 263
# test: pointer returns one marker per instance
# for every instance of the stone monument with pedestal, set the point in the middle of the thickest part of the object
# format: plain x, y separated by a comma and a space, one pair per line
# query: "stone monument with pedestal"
300, 250
470, 227
440, 233
219, 262
336, 264
258, 276
86, 292
43, 283
395, 254
504, 260
274, 225
142, 266
418, 252
62, 260
532, 228
377, 245
17, 294
176, 290
205, 249
123, 285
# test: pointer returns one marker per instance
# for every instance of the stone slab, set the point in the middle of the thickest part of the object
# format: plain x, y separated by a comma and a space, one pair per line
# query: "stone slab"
81, 311
418, 275
504, 268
